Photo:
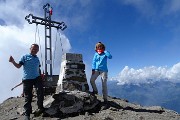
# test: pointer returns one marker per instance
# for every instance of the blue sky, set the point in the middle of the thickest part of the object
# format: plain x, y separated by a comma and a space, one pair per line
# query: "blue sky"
138, 33
142, 36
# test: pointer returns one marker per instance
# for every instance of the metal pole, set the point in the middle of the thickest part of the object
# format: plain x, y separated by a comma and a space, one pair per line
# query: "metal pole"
45, 9
50, 43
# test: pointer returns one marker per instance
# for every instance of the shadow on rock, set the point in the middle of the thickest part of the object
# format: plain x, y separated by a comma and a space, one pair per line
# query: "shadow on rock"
154, 109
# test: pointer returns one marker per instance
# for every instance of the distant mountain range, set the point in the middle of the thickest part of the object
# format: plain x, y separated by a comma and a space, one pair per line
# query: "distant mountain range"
159, 93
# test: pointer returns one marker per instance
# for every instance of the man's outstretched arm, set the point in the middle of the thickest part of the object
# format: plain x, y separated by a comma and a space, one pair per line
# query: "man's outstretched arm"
11, 59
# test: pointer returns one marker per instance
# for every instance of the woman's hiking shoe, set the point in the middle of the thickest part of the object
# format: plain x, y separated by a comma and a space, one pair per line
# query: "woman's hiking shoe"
105, 105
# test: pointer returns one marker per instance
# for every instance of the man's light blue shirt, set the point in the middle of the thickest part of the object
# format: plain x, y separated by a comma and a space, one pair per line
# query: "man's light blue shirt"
31, 66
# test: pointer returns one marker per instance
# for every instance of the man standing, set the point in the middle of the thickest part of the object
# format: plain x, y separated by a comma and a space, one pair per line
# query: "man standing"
31, 77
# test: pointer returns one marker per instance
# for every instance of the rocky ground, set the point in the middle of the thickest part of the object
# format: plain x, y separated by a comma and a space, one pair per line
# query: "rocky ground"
119, 109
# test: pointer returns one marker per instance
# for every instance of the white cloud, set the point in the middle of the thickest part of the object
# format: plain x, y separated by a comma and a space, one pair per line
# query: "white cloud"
148, 75
155, 10
78, 14
12, 12
173, 6
16, 37
61, 45
145, 7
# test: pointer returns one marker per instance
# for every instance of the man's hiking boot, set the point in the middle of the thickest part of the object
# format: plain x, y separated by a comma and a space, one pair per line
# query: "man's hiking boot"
94, 92
26, 117
38, 112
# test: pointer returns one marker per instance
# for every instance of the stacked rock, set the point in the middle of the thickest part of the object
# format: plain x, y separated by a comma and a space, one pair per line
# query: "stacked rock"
72, 74
72, 92
70, 102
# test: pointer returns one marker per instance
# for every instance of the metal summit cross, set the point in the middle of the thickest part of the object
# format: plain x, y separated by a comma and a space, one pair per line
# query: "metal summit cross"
48, 23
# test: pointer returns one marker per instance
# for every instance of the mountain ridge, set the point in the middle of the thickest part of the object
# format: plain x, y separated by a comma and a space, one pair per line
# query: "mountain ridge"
160, 93
118, 109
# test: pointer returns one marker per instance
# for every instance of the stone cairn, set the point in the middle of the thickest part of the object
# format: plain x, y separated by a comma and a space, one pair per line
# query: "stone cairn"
72, 93
72, 73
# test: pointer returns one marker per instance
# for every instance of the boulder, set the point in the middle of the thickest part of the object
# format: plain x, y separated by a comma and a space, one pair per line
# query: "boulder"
70, 102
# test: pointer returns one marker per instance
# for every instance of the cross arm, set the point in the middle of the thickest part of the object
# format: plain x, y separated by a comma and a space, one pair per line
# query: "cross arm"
38, 20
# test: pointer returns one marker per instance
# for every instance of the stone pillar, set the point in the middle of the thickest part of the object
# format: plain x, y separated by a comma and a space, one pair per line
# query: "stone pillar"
72, 74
